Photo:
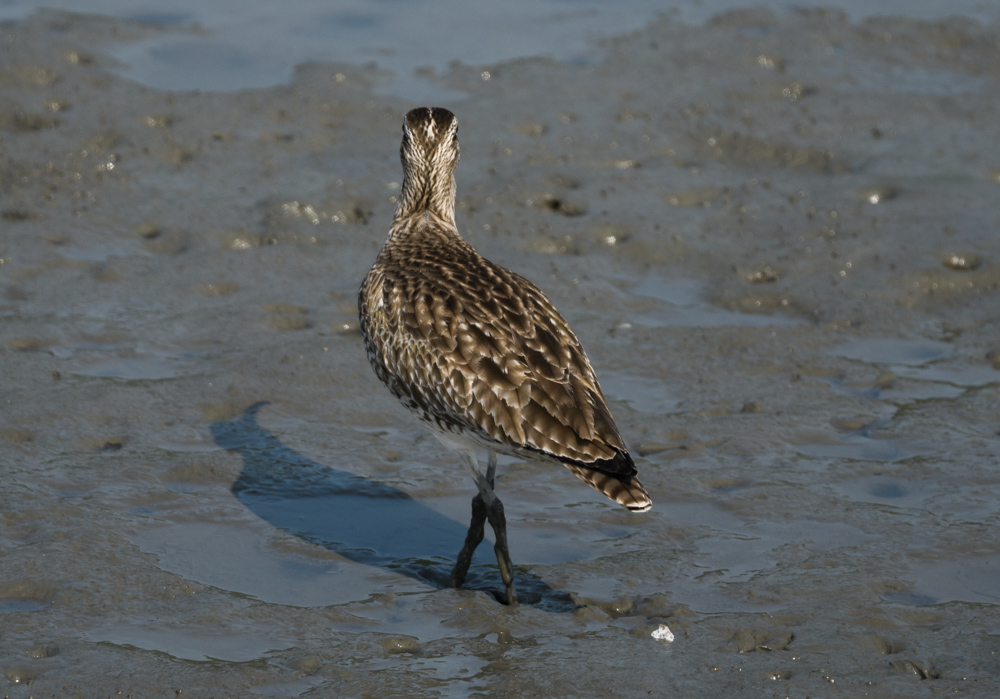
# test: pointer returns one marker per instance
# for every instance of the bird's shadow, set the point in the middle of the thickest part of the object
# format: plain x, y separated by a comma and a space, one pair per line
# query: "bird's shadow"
359, 518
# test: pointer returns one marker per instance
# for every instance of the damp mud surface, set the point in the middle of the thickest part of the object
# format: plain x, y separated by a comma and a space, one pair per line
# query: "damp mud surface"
777, 237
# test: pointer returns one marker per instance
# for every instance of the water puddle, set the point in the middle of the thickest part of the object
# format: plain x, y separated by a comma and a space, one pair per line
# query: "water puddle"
857, 447
21, 605
191, 643
930, 366
684, 305
237, 559
93, 253
285, 689
642, 394
126, 363
974, 580
132, 369
892, 351
393, 535
918, 80
736, 550
884, 490
957, 377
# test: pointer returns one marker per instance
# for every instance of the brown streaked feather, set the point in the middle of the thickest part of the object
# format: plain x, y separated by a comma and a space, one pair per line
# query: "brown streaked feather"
625, 490
473, 348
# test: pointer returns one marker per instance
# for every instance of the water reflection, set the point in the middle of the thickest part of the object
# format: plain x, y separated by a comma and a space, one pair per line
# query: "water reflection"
361, 519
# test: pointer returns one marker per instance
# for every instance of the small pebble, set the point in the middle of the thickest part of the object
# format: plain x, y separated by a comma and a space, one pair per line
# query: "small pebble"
663, 633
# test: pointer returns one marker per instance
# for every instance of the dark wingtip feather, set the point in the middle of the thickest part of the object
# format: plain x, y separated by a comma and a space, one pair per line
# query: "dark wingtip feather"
626, 490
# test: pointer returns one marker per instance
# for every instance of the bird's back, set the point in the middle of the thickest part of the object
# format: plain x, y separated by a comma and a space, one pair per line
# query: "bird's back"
480, 354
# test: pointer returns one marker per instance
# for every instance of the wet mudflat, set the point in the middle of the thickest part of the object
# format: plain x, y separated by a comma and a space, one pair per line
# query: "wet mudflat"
776, 235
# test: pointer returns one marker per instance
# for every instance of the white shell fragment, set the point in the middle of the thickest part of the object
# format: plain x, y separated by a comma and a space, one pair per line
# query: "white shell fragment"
663, 634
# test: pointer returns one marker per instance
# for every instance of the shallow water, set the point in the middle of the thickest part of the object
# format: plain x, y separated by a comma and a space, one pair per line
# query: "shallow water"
206, 490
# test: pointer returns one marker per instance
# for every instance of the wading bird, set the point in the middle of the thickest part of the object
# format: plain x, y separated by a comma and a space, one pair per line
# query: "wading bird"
478, 353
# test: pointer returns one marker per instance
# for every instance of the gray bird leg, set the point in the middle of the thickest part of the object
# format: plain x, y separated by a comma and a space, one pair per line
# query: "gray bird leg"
499, 524
472, 540
486, 506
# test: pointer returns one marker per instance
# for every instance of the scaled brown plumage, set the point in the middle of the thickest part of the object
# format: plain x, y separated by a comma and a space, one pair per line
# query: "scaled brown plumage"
476, 351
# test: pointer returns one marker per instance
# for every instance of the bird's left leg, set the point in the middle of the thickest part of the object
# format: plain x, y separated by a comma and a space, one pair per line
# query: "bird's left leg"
479, 515
472, 540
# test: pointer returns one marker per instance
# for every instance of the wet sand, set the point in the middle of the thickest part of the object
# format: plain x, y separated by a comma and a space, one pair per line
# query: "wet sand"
776, 235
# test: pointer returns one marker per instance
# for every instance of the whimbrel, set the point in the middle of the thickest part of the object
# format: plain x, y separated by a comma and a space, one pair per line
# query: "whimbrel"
478, 353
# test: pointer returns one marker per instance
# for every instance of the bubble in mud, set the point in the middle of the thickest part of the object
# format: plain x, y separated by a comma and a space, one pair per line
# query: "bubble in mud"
42, 651
217, 289
21, 674
885, 381
244, 240
590, 613
148, 230
763, 275
170, 244
960, 260
851, 424
534, 129
290, 316
289, 323
876, 195
25, 596
562, 206
776, 675
610, 234
97, 443
877, 644
698, 197
748, 640
14, 435
289, 308
159, 121
771, 62
28, 344
399, 644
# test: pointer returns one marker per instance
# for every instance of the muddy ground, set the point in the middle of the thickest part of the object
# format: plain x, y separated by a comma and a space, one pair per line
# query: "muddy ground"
776, 235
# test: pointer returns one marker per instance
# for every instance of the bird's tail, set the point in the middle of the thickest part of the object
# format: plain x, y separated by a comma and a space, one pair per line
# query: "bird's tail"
627, 491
